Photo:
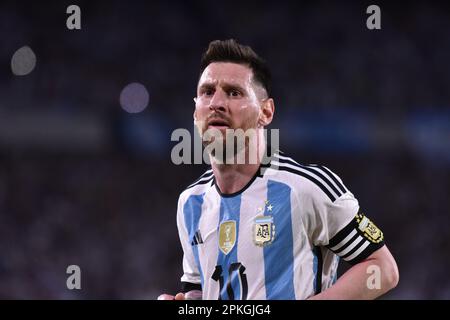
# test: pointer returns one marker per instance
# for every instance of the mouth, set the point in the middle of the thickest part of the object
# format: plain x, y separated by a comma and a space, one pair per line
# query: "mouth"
218, 124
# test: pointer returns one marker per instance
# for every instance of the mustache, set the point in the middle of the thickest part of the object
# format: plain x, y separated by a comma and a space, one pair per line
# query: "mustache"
217, 116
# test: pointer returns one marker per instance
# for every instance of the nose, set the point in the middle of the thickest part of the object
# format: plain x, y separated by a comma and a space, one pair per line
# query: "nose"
218, 101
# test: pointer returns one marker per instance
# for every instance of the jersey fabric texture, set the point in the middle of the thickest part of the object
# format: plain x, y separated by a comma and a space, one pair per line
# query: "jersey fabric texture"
280, 237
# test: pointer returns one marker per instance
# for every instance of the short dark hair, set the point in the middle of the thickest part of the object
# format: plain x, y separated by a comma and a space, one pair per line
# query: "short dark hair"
231, 51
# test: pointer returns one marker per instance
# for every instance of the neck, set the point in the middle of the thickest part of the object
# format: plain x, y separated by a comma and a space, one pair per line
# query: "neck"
231, 178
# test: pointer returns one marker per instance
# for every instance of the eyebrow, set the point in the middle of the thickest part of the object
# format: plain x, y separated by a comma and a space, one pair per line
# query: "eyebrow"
226, 85
206, 85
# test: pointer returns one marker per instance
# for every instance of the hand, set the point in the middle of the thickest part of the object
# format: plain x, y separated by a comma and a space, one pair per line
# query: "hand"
178, 296
190, 295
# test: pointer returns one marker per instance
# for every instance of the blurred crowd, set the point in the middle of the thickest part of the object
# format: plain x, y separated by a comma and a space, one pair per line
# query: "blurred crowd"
374, 106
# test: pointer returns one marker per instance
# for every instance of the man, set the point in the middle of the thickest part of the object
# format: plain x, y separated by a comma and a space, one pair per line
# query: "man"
268, 231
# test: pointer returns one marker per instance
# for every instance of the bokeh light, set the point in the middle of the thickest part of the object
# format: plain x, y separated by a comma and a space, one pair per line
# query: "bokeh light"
23, 61
134, 98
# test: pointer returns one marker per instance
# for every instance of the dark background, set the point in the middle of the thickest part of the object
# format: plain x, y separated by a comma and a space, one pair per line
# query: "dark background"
84, 182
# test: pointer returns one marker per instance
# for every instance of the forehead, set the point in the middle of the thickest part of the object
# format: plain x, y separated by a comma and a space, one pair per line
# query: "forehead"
226, 72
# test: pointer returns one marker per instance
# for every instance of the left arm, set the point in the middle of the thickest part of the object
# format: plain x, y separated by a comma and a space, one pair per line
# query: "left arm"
361, 282
340, 226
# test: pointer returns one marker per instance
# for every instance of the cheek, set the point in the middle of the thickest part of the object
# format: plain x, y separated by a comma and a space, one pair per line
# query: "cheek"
201, 111
247, 114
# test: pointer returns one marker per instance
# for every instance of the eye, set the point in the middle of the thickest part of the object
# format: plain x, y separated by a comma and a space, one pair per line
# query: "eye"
207, 92
235, 93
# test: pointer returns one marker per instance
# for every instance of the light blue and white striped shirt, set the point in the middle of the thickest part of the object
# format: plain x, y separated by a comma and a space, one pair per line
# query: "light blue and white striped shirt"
280, 237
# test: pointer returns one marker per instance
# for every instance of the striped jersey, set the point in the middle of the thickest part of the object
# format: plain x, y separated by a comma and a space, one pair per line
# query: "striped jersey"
280, 237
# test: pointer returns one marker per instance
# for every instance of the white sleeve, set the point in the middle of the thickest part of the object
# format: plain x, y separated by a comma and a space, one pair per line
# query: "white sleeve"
191, 275
340, 225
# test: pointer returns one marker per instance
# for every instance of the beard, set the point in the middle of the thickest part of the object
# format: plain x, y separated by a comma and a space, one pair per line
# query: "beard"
226, 143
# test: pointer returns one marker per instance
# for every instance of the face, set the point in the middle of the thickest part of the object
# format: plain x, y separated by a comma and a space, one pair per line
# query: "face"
227, 98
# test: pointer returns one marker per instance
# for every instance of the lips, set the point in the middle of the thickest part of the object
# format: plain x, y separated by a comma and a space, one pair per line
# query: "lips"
218, 123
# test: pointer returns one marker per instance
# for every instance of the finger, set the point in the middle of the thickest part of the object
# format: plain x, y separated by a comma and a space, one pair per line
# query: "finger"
180, 296
166, 297
193, 295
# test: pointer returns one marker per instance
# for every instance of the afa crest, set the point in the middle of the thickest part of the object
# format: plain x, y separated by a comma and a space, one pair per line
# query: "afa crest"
370, 230
263, 230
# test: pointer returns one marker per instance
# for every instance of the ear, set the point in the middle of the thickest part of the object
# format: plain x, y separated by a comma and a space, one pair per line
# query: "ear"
195, 108
266, 113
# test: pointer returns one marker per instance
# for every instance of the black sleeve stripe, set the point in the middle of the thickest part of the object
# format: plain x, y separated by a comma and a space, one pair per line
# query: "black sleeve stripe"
205, 175
188, 286
201, 181
331, 175
202, 177
315, 181
313, 171
318, 280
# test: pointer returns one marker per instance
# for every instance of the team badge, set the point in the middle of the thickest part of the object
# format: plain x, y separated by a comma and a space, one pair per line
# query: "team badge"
369, 229
263, 230
227, 236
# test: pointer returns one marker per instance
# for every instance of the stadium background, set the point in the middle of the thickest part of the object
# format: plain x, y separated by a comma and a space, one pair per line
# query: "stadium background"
84, 182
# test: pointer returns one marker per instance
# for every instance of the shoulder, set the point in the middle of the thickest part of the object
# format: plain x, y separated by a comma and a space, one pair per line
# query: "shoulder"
199, 186
308, 180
